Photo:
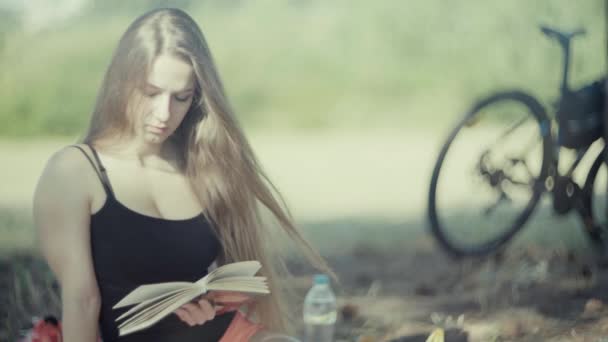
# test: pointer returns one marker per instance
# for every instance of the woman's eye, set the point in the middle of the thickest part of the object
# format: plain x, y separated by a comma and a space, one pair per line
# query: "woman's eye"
183, 98
150, 94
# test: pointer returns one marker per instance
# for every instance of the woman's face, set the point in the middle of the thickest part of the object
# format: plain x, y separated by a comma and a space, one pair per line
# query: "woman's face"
160, 105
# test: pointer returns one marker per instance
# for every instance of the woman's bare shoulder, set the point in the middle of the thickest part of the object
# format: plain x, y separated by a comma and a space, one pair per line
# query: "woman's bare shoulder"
66, 170
69, 159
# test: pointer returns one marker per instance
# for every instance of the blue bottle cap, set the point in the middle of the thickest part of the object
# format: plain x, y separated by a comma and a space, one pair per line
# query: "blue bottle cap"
321, 279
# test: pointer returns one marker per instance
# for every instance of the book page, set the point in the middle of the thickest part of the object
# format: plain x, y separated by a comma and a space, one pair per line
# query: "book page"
129, 328
151, 291
147, 313
256, 284
242, 289
242, 268
145, 305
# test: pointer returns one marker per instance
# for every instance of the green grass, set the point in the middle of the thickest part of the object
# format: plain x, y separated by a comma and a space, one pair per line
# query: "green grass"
16, 230
316, 65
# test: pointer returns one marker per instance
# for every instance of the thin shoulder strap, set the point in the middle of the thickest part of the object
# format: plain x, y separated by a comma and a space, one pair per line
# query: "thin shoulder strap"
103, 177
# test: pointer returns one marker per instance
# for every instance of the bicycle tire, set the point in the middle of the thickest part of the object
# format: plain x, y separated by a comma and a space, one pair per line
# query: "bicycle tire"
593, 227
493, 245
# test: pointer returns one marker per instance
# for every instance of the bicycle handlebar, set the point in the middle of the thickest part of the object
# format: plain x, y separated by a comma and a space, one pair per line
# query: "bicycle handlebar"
561, 36
564, 40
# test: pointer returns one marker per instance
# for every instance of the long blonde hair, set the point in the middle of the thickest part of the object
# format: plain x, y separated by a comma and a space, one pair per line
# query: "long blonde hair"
214, 153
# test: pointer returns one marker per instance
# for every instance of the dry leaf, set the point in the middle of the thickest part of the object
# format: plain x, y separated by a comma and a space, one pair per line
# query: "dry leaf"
436, 336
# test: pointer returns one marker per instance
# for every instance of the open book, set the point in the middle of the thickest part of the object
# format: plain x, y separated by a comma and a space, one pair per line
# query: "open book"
156, 301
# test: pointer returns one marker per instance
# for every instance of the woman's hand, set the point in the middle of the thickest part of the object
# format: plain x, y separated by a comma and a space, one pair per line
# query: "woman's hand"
228, 298
197, 312
205, 308
229, 301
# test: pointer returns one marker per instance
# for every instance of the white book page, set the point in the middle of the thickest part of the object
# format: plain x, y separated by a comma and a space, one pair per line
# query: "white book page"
241, 288
145, 305
253, 281
154, 309
127, 329
242, 268
151, 291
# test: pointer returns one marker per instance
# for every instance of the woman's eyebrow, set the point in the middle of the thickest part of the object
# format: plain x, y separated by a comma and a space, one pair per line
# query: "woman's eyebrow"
159, 88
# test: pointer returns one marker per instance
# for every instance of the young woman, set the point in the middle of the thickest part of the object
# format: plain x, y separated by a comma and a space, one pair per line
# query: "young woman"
163, 186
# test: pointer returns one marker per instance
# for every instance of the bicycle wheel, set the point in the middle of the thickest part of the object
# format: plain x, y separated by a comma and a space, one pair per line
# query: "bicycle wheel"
594, 206
479, 202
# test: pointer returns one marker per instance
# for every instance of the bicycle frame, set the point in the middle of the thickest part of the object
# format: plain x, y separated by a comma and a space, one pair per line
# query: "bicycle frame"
562, 186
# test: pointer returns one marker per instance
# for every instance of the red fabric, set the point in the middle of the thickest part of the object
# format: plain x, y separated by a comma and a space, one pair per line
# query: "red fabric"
44, 331
241, 329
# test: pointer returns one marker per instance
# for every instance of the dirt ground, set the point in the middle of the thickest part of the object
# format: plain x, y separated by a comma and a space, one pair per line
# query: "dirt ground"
527, 294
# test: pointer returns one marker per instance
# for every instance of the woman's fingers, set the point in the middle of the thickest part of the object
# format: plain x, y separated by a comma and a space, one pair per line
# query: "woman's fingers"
207, 308
196, 313
184, 316
192, 314
202, 310
226, 297
226, 301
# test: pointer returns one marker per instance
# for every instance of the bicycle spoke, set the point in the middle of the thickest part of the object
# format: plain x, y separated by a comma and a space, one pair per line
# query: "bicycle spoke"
516, 161
509, 131
519, 183
534, 142
503, 197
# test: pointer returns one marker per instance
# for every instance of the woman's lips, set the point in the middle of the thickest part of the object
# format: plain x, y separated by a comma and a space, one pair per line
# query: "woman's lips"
157, 129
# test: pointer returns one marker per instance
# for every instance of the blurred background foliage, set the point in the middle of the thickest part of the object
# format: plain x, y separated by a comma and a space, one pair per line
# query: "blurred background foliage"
302, 64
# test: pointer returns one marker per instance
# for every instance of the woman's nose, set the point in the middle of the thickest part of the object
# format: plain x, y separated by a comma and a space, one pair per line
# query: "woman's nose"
162, 110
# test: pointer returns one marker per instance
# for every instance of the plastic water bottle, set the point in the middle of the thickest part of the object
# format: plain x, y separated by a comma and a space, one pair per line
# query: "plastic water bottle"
320, 311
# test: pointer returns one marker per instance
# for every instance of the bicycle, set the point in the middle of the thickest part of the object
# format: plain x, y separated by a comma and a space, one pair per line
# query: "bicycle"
578, 122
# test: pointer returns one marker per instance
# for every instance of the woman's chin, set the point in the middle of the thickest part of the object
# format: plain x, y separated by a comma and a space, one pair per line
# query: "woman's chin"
154, 137
151, 139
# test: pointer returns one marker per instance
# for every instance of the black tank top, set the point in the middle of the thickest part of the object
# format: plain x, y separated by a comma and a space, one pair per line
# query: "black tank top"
130, 249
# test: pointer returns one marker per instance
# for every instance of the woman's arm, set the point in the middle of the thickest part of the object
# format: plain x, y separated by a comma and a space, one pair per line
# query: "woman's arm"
61, 210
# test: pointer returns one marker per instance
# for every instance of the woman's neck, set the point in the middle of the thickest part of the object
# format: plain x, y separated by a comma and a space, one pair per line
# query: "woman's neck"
147, 155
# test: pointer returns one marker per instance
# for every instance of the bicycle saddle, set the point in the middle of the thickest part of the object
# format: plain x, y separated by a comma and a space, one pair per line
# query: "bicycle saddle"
562, 37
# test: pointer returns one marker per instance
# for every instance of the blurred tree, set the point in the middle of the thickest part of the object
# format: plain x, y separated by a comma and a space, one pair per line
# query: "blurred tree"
9, 21
116, 6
